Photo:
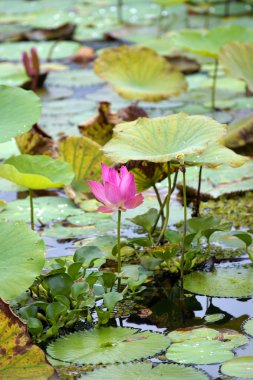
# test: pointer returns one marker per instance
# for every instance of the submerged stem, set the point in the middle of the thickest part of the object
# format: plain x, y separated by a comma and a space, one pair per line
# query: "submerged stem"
118, 249
213, 95
167, 214
31, 209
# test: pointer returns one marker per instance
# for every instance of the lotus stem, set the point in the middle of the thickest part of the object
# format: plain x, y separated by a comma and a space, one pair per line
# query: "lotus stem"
196, 211
183, 169
119, 11
164, 202
118, 250
159, 24
213, 95
227, 8
159, 201
167, 214
31, 209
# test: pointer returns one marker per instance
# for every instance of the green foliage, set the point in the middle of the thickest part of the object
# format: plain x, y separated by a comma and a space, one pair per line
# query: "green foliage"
241, 366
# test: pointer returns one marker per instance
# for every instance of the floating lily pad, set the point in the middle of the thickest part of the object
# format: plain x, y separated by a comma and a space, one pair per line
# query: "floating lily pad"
85, 157
107, 345
20, 359
12, 74
72, 78
222, 282
62, 49
241, 366
22, 256
36, 172
237, 57
19, 110
163, 139
139, 74
45, 209
208, 42
248, 327
145, 371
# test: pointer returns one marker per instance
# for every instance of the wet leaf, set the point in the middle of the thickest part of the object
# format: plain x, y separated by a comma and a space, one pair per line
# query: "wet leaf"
241, 366
145, 371
107, 345
19, 110
22, 256
222, 282
20, 359
85, 157
139, 74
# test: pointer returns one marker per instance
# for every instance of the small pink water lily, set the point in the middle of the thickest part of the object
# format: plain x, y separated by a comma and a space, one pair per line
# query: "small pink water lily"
118, 191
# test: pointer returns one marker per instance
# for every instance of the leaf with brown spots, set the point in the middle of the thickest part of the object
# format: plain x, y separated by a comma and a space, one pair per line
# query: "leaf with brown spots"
19, 358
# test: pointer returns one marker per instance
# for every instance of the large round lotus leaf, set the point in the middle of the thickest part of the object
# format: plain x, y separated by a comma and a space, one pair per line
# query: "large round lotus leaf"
237, 58
107, 345
62, 49
208, 42
145, 371
163, 139
19, 110
36, 172
215, 155
199, 352
222, 282
239, 367
248, 327
139, 73
22, 256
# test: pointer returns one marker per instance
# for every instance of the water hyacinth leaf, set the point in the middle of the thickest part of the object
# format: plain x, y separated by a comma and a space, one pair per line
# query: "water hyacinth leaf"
36, 172
139, 73
20, 359
248, 327
85, 157
107, 345
237, 57
163, 139
209, 42
111, 299
146, 220
241, 367
22, 257
223, 282
199, 352
19, 110
145, 371
63, 49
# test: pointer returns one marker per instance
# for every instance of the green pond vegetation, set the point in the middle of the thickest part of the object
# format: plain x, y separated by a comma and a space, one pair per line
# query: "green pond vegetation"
126, 182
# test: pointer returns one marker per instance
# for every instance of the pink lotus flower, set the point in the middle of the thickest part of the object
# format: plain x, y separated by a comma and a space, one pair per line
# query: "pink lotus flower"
118, 191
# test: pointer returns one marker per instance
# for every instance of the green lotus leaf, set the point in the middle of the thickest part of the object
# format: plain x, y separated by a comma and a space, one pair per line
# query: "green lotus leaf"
223, 282
107, 345
199, 352
241, 366
215, 155
168, 3
222, 180
145, 371
46, 209
209, 42
19, 110
12, 74
163, 139
20, 359
36, 172
248, 327
63, 49
85, 157
22, 257
237, 58
139, 73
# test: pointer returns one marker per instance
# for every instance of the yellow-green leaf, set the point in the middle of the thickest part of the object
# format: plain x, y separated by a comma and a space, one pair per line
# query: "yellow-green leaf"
139, 73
